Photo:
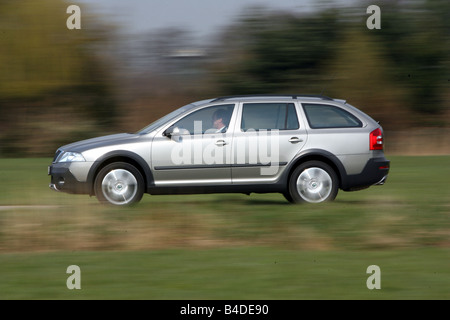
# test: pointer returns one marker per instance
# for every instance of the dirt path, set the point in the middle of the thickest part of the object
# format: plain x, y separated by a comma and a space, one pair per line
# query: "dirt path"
4, 208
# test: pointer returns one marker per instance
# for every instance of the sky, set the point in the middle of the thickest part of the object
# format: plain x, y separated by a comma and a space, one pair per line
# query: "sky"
202, 17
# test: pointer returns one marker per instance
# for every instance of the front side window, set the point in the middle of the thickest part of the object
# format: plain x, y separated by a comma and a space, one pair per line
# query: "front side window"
268, 116
213, 119
322, 116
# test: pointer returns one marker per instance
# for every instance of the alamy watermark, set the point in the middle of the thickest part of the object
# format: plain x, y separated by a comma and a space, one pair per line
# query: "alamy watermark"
255, 147
74, 20
373, 281
374, 21
74, 280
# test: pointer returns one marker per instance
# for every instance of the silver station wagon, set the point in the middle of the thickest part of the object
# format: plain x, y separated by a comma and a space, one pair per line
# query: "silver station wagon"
305, 147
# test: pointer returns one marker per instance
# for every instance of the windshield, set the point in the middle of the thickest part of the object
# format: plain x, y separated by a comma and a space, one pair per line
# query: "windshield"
156, 124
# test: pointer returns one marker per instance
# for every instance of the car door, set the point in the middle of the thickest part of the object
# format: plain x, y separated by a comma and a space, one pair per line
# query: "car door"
195, 153
267, 137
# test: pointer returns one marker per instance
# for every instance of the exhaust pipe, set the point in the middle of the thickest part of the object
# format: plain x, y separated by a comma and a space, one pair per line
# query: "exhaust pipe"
382, 181
53, 187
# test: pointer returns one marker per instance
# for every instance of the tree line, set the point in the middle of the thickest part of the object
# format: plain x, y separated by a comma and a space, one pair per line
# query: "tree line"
61, 85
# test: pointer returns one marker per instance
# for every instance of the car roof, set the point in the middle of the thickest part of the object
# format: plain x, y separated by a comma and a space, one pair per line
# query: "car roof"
270, 97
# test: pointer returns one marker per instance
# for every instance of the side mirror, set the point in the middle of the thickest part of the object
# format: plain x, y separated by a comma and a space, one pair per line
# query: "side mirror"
175, 133
171, 132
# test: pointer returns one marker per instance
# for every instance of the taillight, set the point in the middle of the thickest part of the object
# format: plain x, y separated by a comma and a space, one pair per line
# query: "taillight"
376, 139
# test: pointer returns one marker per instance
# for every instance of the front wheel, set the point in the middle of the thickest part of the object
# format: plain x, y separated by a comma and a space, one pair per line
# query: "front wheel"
119, 184
313, 182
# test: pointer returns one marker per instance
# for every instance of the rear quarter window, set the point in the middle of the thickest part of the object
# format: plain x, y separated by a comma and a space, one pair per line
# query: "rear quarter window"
322, 116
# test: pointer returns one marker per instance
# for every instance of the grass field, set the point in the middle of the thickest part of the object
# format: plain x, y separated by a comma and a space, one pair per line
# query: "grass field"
228, 246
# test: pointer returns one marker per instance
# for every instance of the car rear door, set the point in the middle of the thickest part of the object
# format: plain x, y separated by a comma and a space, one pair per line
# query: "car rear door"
267, 137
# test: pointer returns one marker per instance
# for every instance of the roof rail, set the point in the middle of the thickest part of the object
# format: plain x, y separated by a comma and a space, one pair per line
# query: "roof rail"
293, 96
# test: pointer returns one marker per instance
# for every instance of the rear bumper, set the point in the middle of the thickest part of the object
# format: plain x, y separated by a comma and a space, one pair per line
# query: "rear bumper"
61, 179
375, 172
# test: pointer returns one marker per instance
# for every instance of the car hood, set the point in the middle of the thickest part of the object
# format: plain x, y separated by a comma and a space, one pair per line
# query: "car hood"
104, 141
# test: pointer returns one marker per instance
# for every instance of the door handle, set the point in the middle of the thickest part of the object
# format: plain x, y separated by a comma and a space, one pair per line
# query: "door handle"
295, 140
220, 143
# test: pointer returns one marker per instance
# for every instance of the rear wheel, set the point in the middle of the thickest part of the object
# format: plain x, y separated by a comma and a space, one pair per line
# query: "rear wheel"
119, 184
313, 182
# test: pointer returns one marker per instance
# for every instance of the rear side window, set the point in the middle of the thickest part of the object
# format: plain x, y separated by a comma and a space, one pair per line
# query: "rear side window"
281, 116
327, 116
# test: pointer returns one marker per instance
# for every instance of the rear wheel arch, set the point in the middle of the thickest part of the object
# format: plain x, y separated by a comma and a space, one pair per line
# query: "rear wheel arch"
312, 181
322, 156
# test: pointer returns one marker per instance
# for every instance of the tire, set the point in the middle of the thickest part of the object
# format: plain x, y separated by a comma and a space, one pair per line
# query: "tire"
288, 197
313, 182
119, 184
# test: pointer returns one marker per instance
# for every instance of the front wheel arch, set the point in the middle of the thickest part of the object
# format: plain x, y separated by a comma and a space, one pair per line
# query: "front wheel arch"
120, 156
119, 183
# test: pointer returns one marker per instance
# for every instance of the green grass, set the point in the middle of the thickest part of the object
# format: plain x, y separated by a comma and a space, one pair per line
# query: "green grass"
228, 246
233, 273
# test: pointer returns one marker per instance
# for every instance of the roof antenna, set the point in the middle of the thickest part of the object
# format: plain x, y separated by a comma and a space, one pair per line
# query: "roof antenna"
323, 89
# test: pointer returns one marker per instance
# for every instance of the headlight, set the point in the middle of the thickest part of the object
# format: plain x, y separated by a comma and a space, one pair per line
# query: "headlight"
71, 157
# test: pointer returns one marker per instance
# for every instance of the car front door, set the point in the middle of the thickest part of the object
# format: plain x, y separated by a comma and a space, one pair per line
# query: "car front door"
196, 149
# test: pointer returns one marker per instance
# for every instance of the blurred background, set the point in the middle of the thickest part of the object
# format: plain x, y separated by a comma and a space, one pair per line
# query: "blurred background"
133, 61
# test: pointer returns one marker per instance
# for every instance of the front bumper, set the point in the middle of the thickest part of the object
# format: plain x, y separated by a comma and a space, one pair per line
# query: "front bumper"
62, 179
